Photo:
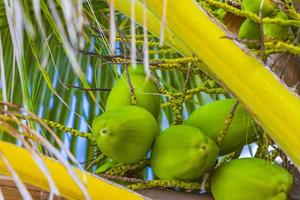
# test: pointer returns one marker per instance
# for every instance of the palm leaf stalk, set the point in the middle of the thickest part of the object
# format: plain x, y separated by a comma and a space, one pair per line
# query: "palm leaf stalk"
95, 186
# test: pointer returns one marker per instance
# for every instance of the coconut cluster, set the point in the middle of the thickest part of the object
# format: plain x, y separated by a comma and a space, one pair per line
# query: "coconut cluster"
127, 133
250, 31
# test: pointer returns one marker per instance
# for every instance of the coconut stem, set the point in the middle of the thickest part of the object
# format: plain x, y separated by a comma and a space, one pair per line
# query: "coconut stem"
132, 91
177, 64
190, 93
12, 120
176, 100
123, 168
255, 17
262, 150
167, 184
225, 159
58, 126
283, 46
227, 124
121, 178
97, 160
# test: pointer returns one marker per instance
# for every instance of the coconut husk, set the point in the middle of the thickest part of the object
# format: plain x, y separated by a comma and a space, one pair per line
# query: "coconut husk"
287, 67
233, 22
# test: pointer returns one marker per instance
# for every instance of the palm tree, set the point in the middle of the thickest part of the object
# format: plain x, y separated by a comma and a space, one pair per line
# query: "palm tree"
60, 59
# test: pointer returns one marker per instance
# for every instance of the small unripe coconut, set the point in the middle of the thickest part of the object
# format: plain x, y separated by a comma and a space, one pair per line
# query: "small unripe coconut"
210, 119
277, 31
250, 30
125, 134
254, 6
182, 152
145, 89
250, 178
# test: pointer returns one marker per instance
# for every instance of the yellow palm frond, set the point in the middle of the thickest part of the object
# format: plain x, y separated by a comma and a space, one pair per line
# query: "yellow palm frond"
23, 163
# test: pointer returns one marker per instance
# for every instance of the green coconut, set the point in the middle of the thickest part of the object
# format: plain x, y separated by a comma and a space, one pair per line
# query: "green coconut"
250, 30
145, 89
276, 31
210, 119
182, 152
250, 178
254, 6
125, 134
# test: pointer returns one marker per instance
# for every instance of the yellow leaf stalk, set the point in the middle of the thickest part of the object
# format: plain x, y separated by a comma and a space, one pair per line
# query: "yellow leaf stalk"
270, 102
24, 165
